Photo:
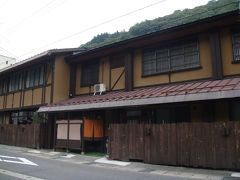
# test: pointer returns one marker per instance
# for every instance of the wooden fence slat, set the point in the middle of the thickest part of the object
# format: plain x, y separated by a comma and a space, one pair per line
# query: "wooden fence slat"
209, 145
22, 135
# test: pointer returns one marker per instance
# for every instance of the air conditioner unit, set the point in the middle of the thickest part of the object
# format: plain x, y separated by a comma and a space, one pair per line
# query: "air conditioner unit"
99, 88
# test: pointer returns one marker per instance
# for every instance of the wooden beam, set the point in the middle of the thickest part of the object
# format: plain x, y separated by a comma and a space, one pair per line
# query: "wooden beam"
52, 81
72, 91
55, 132
215, 44
128, 59
68, 129
117, 80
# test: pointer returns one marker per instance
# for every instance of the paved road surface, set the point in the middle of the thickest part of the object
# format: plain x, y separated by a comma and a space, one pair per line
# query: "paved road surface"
21, 165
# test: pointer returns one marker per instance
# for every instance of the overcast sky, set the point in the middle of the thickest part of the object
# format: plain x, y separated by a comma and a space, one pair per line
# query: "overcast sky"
28, 27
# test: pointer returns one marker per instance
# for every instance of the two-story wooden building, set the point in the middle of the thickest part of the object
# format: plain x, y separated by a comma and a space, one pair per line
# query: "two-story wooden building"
26, 86
172, 96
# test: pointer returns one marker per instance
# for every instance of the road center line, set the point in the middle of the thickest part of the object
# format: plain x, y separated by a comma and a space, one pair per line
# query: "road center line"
18, 175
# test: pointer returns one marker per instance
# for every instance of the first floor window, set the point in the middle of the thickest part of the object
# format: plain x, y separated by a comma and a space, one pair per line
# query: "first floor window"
173, 58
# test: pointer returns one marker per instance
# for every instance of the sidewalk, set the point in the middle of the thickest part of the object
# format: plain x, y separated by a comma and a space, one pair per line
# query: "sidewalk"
103, 162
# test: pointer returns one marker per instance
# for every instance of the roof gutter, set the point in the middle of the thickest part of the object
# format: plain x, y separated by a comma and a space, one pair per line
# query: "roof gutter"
142, 102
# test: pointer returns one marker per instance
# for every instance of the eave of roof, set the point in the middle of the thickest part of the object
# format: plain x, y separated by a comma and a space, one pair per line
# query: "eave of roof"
39, 57
169, 93
227, 15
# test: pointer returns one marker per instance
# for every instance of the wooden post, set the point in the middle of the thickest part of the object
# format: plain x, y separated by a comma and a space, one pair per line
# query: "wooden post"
128, 59
72, 91
55, 132
83, 145
68, 116
217, 72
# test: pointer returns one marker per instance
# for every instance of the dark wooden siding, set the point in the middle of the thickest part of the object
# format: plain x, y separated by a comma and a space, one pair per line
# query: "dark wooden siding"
32, 136
207, 145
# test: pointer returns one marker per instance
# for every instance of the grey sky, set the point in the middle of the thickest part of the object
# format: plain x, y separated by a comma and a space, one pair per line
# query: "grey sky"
28, 27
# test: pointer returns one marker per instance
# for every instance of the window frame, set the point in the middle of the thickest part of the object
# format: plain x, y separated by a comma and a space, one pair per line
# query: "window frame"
3, 88
94, 80
168, 48
31, 81
15, 82
234, 34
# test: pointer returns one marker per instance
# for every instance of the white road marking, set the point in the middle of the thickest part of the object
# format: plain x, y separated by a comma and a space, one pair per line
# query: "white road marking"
106, 161
18, 175
68, 156
235, 174
34, 151
17, 160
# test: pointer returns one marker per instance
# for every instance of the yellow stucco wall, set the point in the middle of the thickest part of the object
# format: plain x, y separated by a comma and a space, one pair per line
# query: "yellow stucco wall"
61, 80
227, 54
104, 70
37, 96
205, 63
28, 98
1, 102
16, 102
137, 73
115, 74
9, 101
48, 95
204, 72
48, 75
79, 89
104, 67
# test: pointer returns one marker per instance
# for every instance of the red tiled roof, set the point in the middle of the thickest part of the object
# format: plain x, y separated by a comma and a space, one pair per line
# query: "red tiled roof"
157, 91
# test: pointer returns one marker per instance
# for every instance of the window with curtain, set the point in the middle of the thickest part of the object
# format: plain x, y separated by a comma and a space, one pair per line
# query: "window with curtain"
15, 82
34, 77
178, 57
90, 74
2, 87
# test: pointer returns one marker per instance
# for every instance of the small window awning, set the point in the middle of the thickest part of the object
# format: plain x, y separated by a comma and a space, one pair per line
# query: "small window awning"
169, 93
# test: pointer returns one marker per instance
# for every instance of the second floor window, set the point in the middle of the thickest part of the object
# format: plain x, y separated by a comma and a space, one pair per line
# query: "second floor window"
15, 83
90, 74
34, 77
2, 87
236, 46
174, 58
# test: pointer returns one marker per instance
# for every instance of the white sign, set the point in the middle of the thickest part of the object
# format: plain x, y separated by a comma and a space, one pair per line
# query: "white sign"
17, 160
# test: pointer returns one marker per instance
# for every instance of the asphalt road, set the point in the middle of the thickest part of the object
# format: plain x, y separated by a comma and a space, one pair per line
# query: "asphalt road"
55, 169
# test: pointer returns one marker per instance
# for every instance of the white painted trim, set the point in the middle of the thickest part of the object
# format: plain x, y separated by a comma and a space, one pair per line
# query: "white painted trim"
148, 101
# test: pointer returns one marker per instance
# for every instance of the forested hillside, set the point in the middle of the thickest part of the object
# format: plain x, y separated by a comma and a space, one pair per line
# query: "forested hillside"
213, 7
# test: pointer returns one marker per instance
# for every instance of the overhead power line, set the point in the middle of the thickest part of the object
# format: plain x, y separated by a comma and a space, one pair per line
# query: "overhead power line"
95, 26
9, 53
32, 14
